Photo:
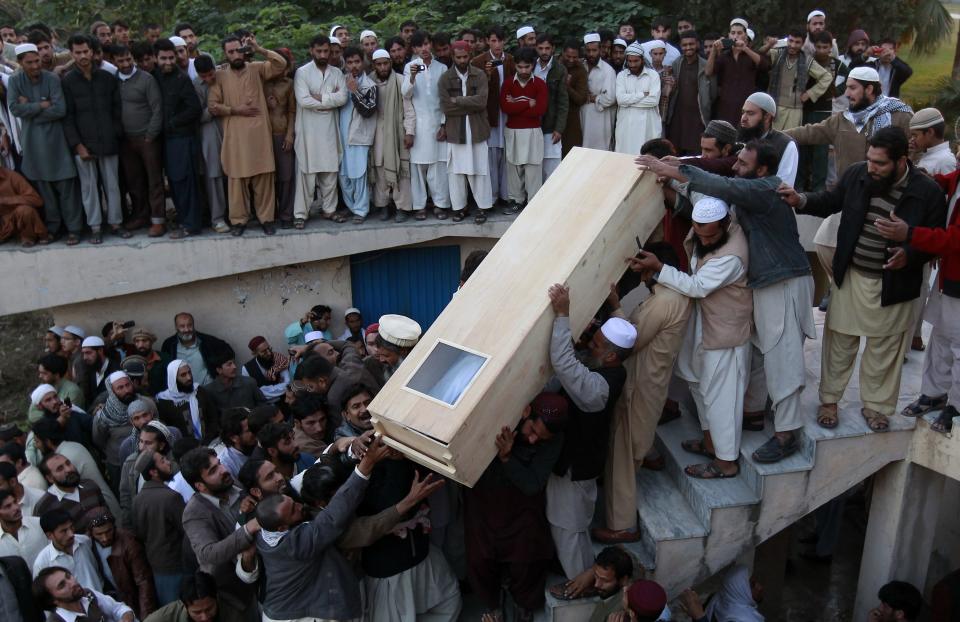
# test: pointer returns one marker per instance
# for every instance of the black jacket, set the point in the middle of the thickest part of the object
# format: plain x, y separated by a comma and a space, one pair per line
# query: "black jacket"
181, 106
93, 112
558, 106
587, 436
900, 73
922, 204
208, 346
16, 571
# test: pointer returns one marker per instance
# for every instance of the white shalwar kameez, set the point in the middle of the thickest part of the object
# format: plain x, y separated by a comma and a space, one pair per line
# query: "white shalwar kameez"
717, 378
638, 109
598, 118
552, 152
497, 160
320, 94
428, 156
468, 163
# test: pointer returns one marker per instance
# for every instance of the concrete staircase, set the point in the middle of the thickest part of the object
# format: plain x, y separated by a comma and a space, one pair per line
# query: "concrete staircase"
692, 529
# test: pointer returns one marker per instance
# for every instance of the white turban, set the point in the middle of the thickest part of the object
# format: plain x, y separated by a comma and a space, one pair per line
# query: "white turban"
41, 392
24, 48
117, 375
620, 42
751, 35
591, 37
178, 42
523, 31
381, 53
619, 332
367, 33
333, 30
314, 335
709, 209
815, 13
739, 21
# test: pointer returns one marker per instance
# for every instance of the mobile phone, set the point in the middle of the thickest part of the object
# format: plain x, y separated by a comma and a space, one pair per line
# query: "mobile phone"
727, 43
129, 324
496, 63
68, 402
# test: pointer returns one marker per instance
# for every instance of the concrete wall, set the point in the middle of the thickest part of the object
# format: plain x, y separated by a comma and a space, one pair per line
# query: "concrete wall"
240, 306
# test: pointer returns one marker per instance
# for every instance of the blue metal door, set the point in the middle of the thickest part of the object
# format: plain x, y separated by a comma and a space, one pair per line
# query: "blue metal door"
416, 282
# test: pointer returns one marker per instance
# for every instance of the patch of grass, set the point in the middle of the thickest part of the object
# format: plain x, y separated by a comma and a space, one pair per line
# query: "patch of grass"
930, 70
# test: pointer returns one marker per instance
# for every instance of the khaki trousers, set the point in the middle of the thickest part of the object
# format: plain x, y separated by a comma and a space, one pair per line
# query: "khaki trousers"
523, 181
264, 198
620, 476
399, 191
324, 184
880, 367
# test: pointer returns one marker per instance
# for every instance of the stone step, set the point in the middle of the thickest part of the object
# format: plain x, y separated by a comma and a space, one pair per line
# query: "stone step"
664, 512
702, 495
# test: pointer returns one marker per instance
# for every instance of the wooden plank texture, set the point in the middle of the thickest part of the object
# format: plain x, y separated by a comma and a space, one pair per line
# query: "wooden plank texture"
578, 229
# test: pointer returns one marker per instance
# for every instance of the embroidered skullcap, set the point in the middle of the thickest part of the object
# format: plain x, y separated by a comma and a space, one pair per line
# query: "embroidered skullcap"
591, 37
646, 598
739, 21
367, 33
523, 31
117, 375
708, 210
723, 131
381, 53
864, 74
620, 42
92, 342
24, 48
634, 49
619, 332
399, 330
552, 409
178, 42
926, 118
764, 102
313, 335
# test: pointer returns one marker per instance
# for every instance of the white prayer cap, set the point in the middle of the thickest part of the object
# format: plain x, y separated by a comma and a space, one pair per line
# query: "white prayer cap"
634, 49
41, 392
75, 330
815, 13
739, 21
619, 332
367, 33
335, 41
708, 210
333, 30
92, 342
620, 42
751, 35
351, 311
313, 335
56, 330
178, 42
654, 44
24, 48
381, 53
591, 37
523, 31
864, 74
117, 375
763, 101
399, 330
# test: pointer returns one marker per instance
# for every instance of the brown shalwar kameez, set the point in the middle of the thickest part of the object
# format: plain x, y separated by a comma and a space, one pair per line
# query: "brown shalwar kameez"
19, 208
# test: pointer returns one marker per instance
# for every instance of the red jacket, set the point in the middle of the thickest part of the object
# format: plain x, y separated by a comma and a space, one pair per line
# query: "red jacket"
520, 115
944, 242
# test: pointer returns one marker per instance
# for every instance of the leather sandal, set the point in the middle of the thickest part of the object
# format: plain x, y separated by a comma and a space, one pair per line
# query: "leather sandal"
923, 405
876, 421
828, 416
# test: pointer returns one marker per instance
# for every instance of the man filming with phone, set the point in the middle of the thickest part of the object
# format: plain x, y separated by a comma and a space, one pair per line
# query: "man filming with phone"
735, 66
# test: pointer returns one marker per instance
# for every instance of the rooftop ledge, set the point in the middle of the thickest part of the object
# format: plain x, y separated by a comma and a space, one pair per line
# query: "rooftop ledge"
49, 276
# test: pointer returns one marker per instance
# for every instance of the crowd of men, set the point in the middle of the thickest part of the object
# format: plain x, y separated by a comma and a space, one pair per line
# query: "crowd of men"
104, 125
173, 481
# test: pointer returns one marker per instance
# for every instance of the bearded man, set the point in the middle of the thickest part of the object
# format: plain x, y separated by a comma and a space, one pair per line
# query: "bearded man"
270, 369
186, 406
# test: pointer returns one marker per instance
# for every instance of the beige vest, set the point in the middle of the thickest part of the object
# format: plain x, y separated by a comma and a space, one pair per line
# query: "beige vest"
727, 313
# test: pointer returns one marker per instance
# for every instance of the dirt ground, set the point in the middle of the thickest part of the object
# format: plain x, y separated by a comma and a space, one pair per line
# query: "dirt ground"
21, 344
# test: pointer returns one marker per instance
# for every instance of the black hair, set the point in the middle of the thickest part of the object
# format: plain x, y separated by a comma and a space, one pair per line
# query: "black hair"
321, 481
607, 35
887, 40
6, 493
38, 589
315, 366
197, 587
48, 429
356, 390
183, 445
150, 26
392, 41
821, 37
689, 34
271, 434
118, 49
766, 154
7, 471
38, 36
616, 558
318, 41
121, 23
470, 265
181, 27
203, 64
78, 38
247, 475
901, 596
51, 519
892, 139
419, 38
407, 24
266, 512
712, 36
165, 45
352, 51
441, 38
54, 363
572, 44
261, 416
658, 148
218, 358
229, 39
938, 131
496, 31
14, 450
44, 464
321, 309
661, 22
194, 463
525, 55
41, 27
231, 423
545, 37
